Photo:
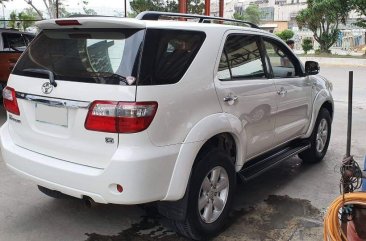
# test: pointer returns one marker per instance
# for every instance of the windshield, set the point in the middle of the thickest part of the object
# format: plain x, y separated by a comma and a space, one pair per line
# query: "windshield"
84, 55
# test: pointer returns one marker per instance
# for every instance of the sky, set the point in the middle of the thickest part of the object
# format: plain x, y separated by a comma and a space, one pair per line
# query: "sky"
102, 7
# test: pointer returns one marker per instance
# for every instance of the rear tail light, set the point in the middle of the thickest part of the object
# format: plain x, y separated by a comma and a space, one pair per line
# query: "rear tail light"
120, 117
10, 101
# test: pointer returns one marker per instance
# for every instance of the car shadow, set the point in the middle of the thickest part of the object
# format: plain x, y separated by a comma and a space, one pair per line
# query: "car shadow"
257, 213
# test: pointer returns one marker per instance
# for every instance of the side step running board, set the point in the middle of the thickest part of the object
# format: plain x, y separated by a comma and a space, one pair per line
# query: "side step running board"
263, 163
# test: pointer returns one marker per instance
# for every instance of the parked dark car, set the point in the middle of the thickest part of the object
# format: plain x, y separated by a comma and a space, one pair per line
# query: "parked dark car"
12, 45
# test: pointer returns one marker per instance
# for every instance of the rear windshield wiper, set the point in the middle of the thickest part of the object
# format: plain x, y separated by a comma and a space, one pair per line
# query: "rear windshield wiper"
114, 77
51, 75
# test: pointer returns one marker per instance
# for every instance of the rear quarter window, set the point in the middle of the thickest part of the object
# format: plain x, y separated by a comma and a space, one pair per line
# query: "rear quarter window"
167, 54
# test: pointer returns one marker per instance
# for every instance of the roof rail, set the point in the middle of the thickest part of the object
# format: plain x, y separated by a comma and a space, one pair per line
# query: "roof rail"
151, 15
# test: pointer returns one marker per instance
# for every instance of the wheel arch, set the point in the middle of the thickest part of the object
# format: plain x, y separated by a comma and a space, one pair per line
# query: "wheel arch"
218, 130
329, 106
322, 100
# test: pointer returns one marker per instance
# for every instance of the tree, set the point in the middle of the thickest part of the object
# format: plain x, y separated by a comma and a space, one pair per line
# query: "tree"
250, 14
360, 7
89, 11
171, 6
322, 17
51, 8
285, 34
28, 17
138, 6
13, 20
307, 45
196, 6
22, 20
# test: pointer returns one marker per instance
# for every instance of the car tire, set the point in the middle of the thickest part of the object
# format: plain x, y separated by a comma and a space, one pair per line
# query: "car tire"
210, 195
319, 139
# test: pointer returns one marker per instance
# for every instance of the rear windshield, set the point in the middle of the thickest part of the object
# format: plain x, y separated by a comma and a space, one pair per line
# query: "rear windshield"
92, 56
112, 56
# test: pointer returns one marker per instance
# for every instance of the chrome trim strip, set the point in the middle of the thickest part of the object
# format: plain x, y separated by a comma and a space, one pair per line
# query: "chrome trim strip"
71, 104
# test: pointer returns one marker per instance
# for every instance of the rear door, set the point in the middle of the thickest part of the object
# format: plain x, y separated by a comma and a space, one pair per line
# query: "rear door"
246, 92
294, 92
88, 65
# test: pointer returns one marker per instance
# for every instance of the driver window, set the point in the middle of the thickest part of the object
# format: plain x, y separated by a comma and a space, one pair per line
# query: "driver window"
282, 64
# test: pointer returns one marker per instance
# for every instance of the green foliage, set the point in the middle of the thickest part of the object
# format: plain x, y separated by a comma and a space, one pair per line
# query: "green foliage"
51, 8
171, 6
250, 14
88, 11
29, 15
63, 13
307, 45
22, 20
196, 6
285, 34
322, 17
139, 6
13, 20
360, 7
131, 15
193, 6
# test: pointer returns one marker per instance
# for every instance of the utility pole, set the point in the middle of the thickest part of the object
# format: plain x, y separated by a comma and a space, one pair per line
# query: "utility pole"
182, 6
56, 8
207, 7
221, 8
4, 15
125, 8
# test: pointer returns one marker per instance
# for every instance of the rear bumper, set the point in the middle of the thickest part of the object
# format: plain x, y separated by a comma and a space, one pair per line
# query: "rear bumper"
144, 173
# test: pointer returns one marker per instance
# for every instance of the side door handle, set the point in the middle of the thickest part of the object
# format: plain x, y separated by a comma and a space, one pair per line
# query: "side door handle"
230, 99
282, 91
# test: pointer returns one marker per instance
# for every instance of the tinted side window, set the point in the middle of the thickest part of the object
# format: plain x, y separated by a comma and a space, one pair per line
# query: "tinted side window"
28, 38
167, 54
241, 58
283, 64
14, 42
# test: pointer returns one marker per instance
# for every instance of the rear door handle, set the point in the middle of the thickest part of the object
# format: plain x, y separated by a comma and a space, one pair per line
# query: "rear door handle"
230, 99
282, 91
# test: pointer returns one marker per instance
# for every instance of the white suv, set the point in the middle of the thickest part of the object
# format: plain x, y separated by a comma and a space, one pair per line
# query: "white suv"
131, 111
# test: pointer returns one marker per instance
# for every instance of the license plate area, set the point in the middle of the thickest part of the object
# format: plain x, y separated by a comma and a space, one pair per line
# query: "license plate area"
53, 115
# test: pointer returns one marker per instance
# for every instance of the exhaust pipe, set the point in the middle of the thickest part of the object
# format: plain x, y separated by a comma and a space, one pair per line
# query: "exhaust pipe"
89, 202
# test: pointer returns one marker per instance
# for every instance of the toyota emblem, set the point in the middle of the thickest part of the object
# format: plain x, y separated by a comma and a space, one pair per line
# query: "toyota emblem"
47, 88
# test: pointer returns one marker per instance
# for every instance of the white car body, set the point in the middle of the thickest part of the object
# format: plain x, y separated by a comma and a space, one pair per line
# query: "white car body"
154, 164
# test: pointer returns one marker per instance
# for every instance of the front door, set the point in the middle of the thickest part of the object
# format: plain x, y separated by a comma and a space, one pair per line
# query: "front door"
245, 91
294, 92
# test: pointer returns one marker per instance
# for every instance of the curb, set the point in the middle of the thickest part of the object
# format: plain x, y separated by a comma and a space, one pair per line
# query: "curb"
336, 61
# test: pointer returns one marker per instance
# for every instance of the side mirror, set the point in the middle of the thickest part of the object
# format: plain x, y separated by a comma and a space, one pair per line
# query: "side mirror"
312, 68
